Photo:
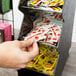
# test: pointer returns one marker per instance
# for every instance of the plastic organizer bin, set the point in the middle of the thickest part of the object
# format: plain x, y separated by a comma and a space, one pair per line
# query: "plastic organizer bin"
5, 6
64, 42
26, 28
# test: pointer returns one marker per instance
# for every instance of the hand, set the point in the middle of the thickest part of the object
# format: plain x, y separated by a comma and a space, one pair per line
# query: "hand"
14, 54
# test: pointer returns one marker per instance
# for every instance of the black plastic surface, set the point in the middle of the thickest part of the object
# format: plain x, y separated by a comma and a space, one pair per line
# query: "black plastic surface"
66, 35
26, 72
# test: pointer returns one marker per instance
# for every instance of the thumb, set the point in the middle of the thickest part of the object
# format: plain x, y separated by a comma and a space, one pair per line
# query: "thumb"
26, 43
28, 56
35, 51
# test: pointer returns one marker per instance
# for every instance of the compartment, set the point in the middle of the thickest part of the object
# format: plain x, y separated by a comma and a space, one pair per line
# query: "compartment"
46, 61
46, 5
44, 64
31, 18
43, 26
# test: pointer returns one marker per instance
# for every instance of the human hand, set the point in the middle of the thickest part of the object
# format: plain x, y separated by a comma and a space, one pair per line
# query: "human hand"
14, 54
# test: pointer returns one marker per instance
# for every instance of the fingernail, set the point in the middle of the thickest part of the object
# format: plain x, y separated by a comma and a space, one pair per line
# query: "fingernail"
31, 40
35, 43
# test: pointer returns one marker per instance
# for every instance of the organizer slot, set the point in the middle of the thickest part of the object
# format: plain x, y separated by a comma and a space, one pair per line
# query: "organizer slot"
41, 26
46, 62
46, 5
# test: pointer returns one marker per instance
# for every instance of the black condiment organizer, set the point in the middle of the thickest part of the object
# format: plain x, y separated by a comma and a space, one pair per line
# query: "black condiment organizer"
64, 44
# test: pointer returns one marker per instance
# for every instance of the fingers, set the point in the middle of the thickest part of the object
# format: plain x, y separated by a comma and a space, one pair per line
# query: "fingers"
20, 66
26, 43
34, 52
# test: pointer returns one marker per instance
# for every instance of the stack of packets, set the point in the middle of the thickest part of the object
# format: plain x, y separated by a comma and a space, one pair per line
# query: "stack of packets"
52, 5
46, 61
56, 16
46, 29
